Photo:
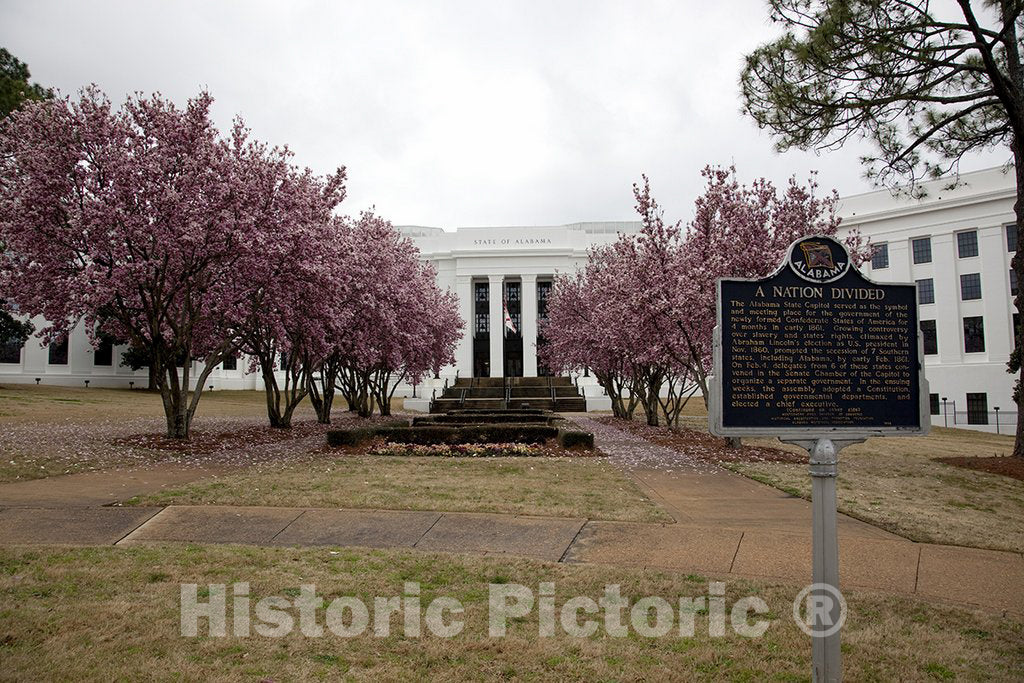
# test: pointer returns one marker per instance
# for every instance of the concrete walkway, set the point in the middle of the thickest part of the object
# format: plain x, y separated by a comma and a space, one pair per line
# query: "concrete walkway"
726, 526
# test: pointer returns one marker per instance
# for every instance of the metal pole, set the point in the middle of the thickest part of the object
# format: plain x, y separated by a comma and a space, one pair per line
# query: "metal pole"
945, 413
826, 658
997, 419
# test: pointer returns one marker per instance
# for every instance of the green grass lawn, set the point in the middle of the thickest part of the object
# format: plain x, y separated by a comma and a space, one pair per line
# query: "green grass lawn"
113, 614
558, 487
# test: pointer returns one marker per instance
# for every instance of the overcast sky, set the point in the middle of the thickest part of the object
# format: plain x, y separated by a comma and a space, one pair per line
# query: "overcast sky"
451, 113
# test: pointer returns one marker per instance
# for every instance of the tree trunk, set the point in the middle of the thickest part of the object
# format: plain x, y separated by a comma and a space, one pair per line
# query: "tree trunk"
272, 392
1017, 263
174, 394
321, 393
154, 377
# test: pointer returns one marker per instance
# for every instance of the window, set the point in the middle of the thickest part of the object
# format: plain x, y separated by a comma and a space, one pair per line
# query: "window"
970, 286
10, 350
929, 338
926, 291
922, 248
230, 363
517, 322
1013, 283
543, 291
483, 323
933, 404
967, 244
59, 353
974, 334
103, 356
1011, 237
880, 256
482, 291
512, 291
284, 361
977, 409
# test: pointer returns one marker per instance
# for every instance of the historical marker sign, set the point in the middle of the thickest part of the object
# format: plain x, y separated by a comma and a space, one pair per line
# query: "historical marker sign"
817, 350
818, 355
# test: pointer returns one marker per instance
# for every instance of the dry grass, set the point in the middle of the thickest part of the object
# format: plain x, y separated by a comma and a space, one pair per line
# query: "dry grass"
560, 487
20, 403
57, 430
47, 430
896, 484
113, 614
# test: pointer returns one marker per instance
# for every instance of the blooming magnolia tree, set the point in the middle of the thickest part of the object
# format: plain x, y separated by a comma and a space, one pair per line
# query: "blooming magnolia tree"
143, 220
299, 290
740, 231
605, 317
403, 325
641, 312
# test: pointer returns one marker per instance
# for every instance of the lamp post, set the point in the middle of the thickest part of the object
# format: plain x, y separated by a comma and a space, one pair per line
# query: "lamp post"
37, 381
945, 415
131, 385
86, 384
997, 419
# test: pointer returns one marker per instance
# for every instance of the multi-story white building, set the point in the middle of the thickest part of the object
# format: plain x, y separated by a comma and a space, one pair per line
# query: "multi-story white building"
956, 244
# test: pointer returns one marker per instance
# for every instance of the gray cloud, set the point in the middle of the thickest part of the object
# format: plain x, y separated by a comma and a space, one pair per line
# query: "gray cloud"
450, 113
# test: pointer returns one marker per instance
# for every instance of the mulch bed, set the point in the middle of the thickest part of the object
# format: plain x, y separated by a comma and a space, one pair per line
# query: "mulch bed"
701, 445
202, 441
1006, 466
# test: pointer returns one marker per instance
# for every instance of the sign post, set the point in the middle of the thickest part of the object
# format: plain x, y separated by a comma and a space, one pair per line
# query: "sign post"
818, 356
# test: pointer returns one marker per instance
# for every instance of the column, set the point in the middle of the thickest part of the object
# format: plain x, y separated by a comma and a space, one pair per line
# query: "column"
947, 303
497, 333
529, 331
995, 288
464, 351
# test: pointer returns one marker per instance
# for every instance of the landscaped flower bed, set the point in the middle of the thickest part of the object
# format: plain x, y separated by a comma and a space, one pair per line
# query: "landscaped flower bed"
491, 450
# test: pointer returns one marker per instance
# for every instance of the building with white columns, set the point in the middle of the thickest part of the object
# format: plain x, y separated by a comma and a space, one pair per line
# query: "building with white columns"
955, 244
490, 268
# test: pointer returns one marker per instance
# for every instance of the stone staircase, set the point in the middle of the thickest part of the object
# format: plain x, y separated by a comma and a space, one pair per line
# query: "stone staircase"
499, 393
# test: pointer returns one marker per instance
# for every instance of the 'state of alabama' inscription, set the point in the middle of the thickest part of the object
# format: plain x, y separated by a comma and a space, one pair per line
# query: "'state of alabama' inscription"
817, 345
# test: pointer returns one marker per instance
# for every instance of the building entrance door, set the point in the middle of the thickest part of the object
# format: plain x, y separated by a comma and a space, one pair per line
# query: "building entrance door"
513, 356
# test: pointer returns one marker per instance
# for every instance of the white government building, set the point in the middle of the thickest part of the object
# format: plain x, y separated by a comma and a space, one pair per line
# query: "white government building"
955, 244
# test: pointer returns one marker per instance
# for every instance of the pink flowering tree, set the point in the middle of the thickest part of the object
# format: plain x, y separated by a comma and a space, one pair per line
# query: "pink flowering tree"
608, 317
140, 219
296, 294
740, 231
641, 312
402, 326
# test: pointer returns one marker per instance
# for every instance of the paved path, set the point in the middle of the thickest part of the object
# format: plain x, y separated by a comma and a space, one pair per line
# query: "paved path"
726, 526
694, 491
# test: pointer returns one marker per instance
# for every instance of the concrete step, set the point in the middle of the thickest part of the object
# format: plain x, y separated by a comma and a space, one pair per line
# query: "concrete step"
573, 405
500, 382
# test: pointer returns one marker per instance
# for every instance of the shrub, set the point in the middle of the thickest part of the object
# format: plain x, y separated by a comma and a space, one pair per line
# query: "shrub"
575, 438
350, 437
482, 433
